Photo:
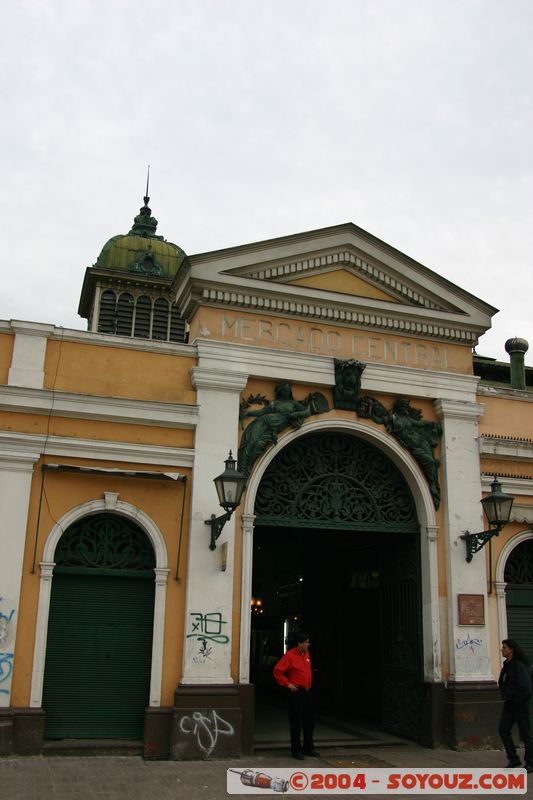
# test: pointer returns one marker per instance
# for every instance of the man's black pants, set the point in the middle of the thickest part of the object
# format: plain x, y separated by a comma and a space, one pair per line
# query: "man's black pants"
301, 718
519, 713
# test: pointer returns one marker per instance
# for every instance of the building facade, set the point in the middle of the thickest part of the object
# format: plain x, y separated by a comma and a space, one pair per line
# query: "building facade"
340, 373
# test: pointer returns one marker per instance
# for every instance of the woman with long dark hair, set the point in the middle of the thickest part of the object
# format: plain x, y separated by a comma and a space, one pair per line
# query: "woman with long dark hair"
515, 687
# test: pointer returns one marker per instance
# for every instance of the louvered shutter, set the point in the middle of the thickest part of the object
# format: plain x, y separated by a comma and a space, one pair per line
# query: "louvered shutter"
98, 661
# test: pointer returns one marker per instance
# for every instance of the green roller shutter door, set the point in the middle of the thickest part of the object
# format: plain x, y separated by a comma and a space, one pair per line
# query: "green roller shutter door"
520, 618
520, 621
98, 658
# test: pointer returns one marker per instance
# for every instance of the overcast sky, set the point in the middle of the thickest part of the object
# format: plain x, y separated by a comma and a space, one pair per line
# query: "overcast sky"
411, 118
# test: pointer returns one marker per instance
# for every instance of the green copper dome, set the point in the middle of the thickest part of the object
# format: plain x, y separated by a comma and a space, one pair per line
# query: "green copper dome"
141, 251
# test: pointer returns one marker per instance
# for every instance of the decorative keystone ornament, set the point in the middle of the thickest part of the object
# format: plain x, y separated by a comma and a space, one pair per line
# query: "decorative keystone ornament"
497, 507
230, 486
347, 383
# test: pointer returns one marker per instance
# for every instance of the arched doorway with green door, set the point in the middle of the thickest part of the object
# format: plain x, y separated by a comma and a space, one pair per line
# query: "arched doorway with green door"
337, 553
100, 624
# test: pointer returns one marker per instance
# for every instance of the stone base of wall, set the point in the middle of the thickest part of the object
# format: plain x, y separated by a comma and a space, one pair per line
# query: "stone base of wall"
156, 737
217, 721
432, 732
472, 714
212, 721
21, 731
6, 731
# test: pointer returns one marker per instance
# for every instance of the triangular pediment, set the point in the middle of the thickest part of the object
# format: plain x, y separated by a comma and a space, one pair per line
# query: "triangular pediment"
340, 273
347, 271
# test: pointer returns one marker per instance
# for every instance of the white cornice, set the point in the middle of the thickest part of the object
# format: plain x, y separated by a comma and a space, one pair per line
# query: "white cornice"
515, 449
222, 380
260, 362
107, 409
96, 449
453, 409
55, 332
335, 309
514, 486
16, 461
31, 328
524, 395
263, 362
522, 513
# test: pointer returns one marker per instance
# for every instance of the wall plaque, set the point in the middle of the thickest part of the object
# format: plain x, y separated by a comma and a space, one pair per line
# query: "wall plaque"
471, 609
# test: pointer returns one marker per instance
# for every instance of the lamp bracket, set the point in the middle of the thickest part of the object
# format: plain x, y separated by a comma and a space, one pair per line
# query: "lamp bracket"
475, 541
217, 524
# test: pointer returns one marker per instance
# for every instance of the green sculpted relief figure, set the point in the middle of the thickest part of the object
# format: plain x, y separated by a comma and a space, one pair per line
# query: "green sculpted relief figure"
273, 418
418, 436
347, 383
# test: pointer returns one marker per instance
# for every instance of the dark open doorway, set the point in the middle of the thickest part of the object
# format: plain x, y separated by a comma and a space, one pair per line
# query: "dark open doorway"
353, 594
337, 553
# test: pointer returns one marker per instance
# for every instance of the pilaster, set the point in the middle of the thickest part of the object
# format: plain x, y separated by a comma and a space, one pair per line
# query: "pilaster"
16, 471
502, 608
41, 630
431, 610
246, 595
29, 351
209, 600
469, 645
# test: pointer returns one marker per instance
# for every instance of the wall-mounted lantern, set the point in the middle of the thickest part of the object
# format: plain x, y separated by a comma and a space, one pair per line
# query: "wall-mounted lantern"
230, 486
497, 507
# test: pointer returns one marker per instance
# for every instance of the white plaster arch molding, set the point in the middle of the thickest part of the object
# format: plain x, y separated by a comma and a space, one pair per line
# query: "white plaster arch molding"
110, 503
500, 583
426, 517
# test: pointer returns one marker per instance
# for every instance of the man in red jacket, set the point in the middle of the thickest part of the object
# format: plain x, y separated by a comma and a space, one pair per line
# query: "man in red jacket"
293, 671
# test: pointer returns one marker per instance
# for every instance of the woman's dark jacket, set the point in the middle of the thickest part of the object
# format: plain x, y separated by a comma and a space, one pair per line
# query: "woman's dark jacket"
515, 681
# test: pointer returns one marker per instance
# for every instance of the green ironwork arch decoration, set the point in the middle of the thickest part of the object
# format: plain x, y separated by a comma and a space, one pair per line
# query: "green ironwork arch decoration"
331, 480
519, 566
105, 541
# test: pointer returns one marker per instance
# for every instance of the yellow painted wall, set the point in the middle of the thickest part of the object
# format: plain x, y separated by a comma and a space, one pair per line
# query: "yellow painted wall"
7, 341
108, 371
97, 430
344, 282
504, 416
160, 500
510, 418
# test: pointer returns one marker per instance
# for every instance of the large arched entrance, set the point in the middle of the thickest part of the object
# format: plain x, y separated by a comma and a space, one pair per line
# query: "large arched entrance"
337, 553
99, 643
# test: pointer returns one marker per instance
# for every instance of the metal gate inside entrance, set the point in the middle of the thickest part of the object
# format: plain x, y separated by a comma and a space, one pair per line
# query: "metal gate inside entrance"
98, 656
337, 553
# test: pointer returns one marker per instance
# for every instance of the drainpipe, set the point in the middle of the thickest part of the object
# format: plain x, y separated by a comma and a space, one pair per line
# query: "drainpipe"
517, 348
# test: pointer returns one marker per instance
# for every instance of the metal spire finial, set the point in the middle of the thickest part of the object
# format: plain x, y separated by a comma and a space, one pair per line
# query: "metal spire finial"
146, 197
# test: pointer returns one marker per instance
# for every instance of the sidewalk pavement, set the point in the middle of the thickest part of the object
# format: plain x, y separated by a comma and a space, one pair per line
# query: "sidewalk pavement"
132, 778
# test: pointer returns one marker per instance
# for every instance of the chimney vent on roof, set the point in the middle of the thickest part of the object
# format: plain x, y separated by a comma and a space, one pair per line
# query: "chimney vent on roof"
517, 348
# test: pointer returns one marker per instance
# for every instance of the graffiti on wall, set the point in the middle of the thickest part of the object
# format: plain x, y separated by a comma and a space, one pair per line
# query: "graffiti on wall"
207, 630
204, 651
206, 727
6, 646
471, 656
469, 643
